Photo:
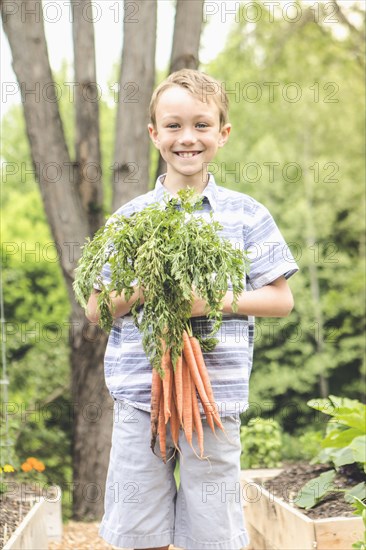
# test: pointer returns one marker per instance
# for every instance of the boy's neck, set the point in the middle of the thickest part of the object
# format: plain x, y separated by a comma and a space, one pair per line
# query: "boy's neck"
173, 184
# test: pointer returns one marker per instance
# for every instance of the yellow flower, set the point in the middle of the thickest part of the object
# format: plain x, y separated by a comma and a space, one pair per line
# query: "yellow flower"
8, 468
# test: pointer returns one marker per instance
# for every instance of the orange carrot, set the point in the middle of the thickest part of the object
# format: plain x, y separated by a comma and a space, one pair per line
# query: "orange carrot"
202, 369
191, 362
162, 430
174, 421
197, 422
156, 388
178, 384
167, 383
187, 402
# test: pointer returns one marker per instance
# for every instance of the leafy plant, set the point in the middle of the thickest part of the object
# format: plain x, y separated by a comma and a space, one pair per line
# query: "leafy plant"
360, 510
345, 441
261, 444
166, 250
344, 444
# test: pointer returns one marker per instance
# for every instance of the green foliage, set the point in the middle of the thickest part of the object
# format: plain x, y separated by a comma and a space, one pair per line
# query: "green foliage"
345, 440
36, 329
261, 444
296, 159
166, 250
345, 443
360, 510
301, 446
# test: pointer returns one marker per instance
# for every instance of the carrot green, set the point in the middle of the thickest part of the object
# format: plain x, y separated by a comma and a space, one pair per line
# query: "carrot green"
166, 249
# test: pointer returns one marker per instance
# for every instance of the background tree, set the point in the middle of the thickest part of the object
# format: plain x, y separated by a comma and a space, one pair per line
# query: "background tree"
72, 192
186, 40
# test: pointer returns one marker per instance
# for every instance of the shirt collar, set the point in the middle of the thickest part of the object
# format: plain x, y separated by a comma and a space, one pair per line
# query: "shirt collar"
210, 192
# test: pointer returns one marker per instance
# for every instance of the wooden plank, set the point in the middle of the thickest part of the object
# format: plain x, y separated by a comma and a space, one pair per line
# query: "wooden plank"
31, 533
53, 518
282, 526
260, 474
338, 533
257, 541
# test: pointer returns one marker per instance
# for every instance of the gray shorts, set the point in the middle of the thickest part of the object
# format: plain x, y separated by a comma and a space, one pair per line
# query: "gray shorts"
144, 508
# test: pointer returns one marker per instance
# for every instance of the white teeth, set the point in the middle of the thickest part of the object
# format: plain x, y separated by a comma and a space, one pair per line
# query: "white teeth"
187, 155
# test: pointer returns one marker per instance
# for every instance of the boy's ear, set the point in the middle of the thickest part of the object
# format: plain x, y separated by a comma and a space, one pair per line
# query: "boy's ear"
153, 133
224, 134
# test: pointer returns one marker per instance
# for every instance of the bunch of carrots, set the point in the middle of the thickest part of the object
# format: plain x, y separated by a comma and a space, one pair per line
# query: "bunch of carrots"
174, 397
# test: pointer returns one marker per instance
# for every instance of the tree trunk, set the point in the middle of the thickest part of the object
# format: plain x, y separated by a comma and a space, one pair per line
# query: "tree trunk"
187, 33
131, 157
87, 147
68, 220
186, 43
92, 417
92, 409
53, 167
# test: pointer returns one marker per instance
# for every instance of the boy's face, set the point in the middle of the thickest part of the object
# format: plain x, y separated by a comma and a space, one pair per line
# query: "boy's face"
187, 132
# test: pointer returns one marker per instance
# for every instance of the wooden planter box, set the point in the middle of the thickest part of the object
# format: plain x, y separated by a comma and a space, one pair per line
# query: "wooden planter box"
275, 525
41, 525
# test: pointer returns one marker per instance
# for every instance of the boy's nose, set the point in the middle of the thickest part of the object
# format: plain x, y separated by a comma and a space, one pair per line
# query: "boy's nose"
187, 137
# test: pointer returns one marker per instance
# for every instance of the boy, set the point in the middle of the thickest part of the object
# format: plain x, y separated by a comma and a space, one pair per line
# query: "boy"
143, 508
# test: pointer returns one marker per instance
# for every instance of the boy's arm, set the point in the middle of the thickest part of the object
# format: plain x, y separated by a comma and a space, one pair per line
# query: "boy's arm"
120, 305
272, 300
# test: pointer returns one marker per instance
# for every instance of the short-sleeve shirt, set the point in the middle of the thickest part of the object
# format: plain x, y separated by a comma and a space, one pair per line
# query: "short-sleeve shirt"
246, 224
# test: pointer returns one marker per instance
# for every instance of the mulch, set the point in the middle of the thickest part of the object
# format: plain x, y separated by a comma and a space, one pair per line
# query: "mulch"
11, 514
83, 536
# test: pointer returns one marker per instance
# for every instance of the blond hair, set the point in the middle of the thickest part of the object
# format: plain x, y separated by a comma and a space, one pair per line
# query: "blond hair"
200, 85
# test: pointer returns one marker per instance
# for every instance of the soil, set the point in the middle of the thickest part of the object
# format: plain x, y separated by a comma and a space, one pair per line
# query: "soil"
294, 476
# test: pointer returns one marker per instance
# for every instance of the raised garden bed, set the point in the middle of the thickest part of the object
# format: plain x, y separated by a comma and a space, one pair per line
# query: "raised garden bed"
275, 523
30, 523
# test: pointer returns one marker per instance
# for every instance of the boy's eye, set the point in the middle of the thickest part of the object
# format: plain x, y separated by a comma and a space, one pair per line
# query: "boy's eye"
173, 125
201, 125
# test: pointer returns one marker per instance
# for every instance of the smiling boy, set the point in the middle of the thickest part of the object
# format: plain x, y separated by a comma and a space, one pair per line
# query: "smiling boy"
143, 508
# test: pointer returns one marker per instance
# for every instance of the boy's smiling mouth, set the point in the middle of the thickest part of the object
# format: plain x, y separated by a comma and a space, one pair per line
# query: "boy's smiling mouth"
187, 154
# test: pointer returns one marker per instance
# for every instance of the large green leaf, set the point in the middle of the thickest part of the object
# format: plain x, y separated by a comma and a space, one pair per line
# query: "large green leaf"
348, 412
355, 494
342, 457
358, 447
315, 489
354, 418
341, 438
334, 405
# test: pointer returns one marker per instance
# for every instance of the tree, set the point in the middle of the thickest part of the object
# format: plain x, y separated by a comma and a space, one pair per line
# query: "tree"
71, 190
186, 41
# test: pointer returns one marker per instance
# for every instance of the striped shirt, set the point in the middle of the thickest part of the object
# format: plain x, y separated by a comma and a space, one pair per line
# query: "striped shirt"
246, 224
